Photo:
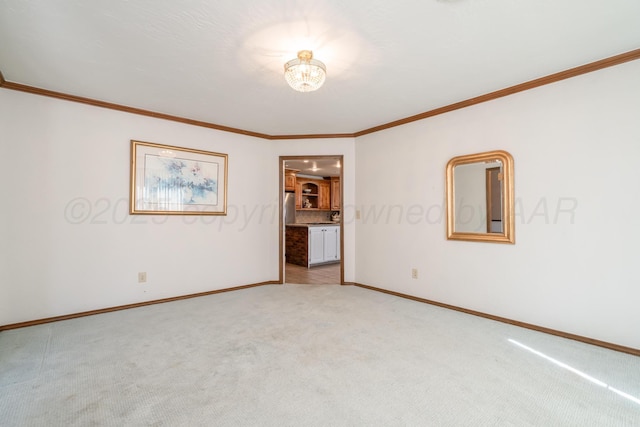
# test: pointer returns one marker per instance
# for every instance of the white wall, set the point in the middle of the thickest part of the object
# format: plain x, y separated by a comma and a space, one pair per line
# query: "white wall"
68, 244
327, 147
576, 149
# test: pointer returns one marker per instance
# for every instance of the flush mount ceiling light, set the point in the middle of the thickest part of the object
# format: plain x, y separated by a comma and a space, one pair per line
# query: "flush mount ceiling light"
305, 74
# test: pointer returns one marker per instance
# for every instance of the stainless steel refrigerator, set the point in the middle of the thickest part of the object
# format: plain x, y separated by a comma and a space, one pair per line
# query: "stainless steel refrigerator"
289, 208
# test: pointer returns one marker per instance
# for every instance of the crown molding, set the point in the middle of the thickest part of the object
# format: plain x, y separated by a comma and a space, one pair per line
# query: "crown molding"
532, 84
97, 103
312, 136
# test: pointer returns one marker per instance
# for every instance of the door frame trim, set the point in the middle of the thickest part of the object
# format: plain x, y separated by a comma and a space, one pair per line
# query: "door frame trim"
281, 230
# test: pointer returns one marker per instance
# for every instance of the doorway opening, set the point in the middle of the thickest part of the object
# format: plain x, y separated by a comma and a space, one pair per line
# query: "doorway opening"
311, 231
494, 200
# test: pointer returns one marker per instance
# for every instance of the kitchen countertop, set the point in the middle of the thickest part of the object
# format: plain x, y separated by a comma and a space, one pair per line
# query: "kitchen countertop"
313, 224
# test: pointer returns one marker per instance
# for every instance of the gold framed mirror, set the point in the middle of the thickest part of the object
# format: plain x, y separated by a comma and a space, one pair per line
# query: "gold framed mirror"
480, 202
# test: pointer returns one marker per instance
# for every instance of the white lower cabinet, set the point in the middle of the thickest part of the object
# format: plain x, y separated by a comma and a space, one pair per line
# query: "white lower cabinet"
324, 244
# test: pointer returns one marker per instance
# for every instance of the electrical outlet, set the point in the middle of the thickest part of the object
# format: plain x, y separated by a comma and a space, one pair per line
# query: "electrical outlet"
414, 273
142, 277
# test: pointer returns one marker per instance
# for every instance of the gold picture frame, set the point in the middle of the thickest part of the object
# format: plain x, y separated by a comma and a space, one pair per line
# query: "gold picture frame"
469, 207
170, 180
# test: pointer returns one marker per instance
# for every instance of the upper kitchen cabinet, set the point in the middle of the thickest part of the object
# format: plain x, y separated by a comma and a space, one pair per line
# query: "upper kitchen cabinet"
324, 198
335, 193
307, 193
313, 194
290, 179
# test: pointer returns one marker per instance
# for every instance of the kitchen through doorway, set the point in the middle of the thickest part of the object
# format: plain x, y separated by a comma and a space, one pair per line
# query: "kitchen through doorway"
311, 242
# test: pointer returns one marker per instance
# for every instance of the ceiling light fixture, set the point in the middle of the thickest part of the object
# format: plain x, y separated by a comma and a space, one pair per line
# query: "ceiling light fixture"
305, 74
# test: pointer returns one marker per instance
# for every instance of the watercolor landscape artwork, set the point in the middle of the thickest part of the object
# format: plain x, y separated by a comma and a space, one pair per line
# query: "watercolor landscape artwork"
174, 180
181, 181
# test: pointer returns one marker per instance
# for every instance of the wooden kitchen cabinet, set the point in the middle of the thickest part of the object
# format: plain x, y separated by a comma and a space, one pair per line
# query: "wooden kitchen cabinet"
335, 193
316, 191
290, 179
298, 191
324, 196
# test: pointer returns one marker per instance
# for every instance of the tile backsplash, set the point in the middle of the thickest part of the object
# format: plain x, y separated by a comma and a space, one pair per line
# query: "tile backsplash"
312, 216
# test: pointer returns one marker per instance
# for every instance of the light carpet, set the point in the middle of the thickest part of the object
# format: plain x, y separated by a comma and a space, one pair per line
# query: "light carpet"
307, 355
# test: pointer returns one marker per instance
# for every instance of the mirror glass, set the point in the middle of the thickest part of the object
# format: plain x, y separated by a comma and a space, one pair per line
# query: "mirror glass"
480, 197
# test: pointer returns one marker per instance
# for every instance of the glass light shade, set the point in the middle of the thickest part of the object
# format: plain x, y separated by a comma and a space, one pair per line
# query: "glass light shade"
305, 74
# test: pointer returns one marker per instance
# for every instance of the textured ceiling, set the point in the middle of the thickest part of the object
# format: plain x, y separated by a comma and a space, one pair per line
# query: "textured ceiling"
221, 61
315, 166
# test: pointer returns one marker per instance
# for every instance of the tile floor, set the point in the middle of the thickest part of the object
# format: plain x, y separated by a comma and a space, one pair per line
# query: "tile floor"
318, 275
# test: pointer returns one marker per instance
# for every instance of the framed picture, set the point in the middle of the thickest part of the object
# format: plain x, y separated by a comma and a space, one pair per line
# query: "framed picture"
168, 180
